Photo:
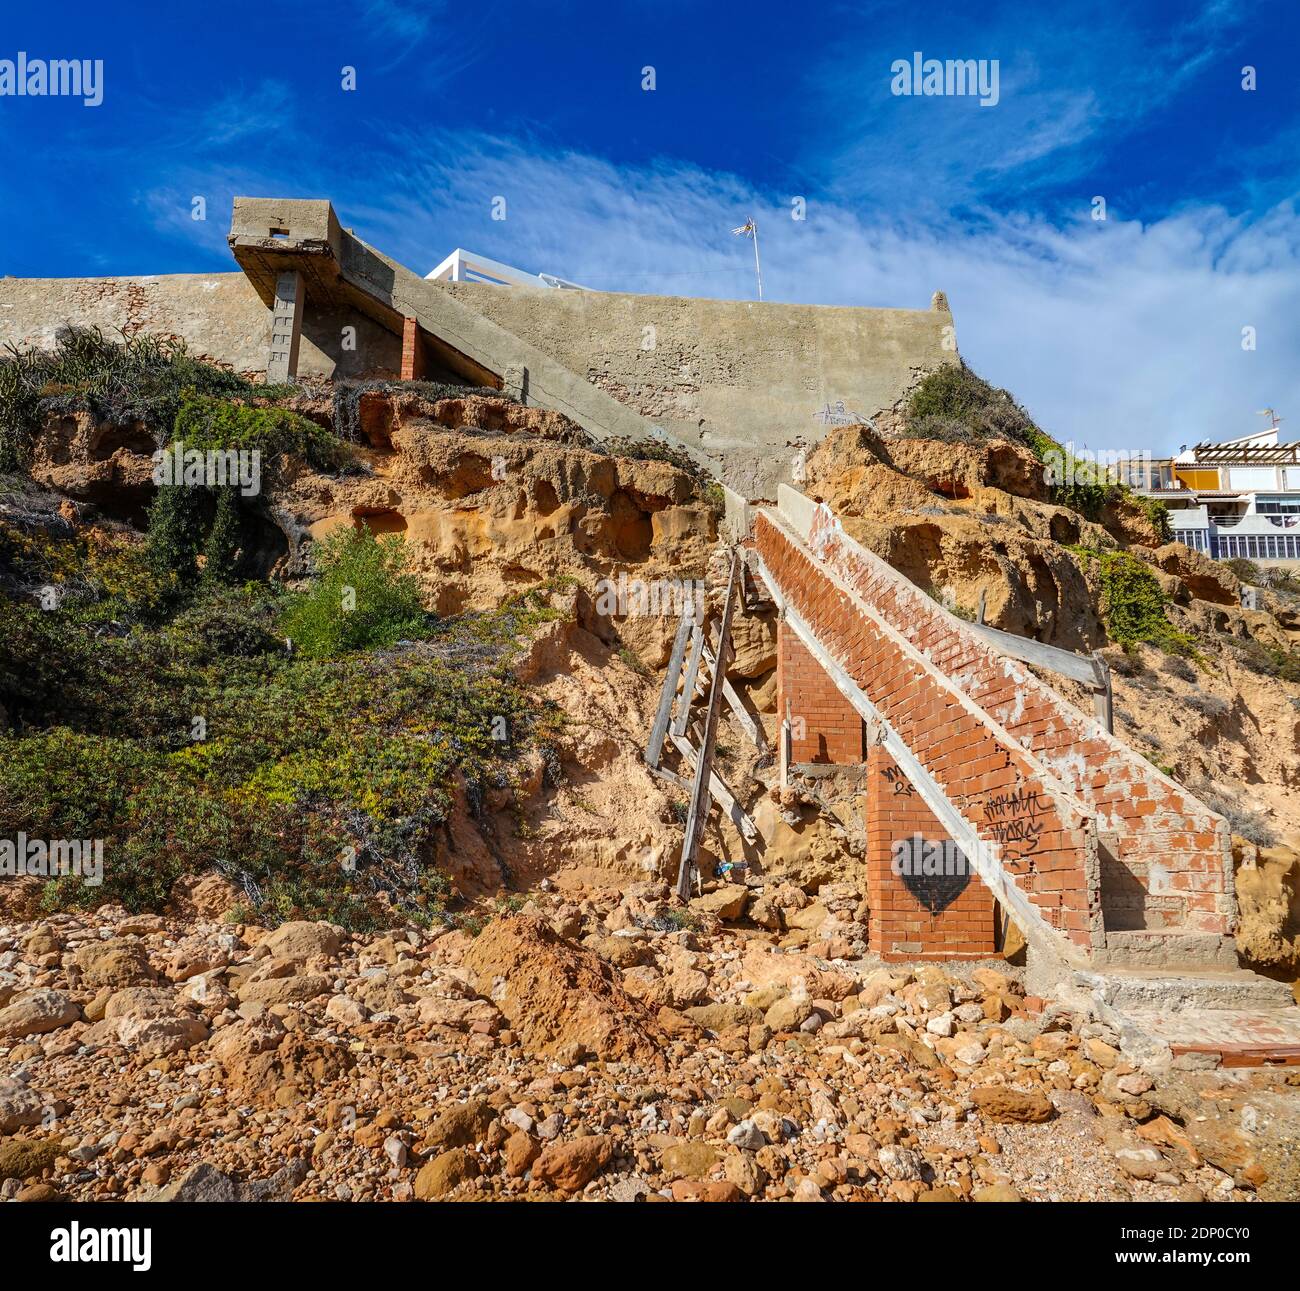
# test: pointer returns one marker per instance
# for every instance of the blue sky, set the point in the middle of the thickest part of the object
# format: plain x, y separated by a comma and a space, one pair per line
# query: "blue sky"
1122, 333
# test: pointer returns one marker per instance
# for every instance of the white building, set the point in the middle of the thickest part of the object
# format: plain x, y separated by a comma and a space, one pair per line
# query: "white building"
1236, 498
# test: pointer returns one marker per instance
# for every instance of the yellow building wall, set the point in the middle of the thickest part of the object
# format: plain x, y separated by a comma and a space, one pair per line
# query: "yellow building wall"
1198, 479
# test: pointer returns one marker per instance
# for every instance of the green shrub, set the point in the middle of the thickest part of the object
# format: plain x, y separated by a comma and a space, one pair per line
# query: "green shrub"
945, 429
140, 378
180, 517
1266, 661
1155, 511
205, 423
362, 597
1254, 826
321, 786
1133, 605
953, 397
221, 547
226, 622
1246, 570
954, 405
187, 521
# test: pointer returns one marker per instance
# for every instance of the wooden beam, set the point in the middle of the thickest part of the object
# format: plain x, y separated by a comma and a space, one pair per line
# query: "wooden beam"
692, 673
752, 728
700, 792
1066, 662
722, 795
672, 777
1103, 698
654, 749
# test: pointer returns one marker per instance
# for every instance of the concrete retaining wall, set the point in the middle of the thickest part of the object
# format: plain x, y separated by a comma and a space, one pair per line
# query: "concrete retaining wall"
740, 385
219, 315
728, 375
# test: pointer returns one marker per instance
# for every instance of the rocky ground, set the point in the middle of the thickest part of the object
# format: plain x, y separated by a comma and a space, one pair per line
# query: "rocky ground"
599, 1043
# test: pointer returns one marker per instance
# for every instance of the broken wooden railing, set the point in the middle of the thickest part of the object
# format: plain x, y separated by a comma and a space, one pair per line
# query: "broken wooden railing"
697, 667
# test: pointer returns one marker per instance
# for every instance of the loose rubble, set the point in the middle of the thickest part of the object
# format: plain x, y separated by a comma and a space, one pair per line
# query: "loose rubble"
600, 1044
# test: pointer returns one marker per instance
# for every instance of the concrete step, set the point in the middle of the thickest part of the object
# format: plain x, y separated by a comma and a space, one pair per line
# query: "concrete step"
1169, 949
1227, 1037
1170, 990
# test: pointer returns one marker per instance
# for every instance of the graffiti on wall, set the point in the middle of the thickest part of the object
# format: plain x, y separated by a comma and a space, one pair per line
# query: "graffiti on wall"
1016, 820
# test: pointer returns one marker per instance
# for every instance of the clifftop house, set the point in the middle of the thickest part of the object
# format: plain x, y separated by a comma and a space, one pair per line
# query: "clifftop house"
1240, 497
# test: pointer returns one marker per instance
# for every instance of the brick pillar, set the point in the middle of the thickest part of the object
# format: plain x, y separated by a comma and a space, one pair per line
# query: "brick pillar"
286, 328
826, 727
412, 351
931, 916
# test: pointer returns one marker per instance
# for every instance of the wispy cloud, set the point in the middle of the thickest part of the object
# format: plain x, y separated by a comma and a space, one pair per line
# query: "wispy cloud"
266, 109
1065, 90
405, 22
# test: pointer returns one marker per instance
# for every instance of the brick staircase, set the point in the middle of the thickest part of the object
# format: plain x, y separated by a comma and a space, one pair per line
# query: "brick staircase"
1119, 879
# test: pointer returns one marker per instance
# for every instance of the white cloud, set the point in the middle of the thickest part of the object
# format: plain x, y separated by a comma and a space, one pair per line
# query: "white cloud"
1068, 93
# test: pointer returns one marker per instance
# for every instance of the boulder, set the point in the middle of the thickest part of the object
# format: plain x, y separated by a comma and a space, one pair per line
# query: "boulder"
519, 1152
461, 1124
158, 1037
1012, 1106
301, 940
35, 1012
788, 1014
445, 1173
24, 1158
19, 1106
996, 1192
463, 1015
136, 1003
558, 997
723, 1017
725, 902
690, 1159
572, 1165
117, 962
286, 990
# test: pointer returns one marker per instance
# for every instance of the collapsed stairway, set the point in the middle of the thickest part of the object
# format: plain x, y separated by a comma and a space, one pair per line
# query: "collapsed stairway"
1120, 880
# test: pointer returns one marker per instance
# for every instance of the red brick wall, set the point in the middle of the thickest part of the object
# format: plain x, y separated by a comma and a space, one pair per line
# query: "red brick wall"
914, 922
825, 727
1041, 837
412, 351
1167, 840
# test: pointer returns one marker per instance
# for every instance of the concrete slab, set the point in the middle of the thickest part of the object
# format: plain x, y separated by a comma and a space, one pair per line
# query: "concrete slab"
1236, 1037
